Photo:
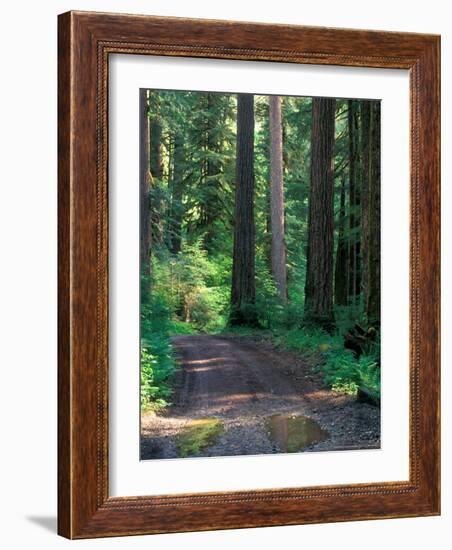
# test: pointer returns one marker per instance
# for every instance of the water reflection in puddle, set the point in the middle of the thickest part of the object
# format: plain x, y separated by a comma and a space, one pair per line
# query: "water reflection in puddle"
294, 433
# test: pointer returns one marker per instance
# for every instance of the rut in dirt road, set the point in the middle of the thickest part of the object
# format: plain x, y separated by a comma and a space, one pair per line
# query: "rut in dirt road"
244, 383
231, 377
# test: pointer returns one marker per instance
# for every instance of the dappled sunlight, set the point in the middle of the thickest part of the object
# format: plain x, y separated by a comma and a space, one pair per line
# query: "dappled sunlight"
205, 364
203, 361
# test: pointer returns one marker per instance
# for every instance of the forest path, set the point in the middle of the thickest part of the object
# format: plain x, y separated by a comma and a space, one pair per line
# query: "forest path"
243, 382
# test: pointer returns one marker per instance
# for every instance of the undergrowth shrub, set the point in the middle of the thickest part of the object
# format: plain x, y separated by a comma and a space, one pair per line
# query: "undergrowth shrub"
179, 327
341, 370
157, 369
157, 364
310, 341
195, 287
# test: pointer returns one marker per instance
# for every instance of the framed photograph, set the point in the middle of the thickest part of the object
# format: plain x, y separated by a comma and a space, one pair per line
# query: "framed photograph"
248, 275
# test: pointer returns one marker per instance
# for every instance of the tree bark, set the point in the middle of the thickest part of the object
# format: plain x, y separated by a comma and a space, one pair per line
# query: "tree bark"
278, 246
366, 148
155, 139
341, 267
373, 301
155, 167
243, 291
213, 169
268, 225
319, 276
177, 207
370, 211
354, 201
145, 225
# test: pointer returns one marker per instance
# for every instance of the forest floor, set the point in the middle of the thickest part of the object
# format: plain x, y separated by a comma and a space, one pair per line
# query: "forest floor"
251, 387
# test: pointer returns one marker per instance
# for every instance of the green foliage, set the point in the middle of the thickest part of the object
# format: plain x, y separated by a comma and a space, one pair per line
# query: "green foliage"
268, 307
157, 365
247, 331
345, 373
195, 287
310, 341
180, 327
341, 370
347, 316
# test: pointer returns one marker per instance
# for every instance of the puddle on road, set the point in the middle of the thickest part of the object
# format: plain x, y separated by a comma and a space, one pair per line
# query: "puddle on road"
294, 433
201, 433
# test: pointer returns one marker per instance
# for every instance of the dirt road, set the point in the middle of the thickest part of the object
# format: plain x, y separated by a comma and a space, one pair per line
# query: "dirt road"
243, 382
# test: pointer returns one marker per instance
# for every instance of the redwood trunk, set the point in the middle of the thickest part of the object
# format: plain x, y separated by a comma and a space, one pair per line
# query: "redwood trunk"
354, 201
319, 276
370, 211
341, 267
278, 246
156, 167
177, 207
155, 139
212, 173
145, 225
373, 301
366, 143
243, 291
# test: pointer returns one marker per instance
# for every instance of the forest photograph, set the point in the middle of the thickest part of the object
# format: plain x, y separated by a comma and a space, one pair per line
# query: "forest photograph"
259, 274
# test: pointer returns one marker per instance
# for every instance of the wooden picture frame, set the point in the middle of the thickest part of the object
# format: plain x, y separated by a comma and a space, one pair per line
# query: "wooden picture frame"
86, 40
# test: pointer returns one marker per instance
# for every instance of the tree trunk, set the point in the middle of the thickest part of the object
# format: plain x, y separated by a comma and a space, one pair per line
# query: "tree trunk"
177, 207
268, 226
166, 210
354, 202
373, 301
319, 276
365, 195
156, 167
212, 172
341, 268
266, 146
145, 225
155, 140
278, 246
243, 291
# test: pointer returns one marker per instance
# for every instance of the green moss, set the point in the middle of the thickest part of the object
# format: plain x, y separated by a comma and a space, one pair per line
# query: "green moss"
200, 434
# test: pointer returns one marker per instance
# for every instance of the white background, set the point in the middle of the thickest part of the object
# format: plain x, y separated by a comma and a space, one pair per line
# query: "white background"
28, 271
128, 476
